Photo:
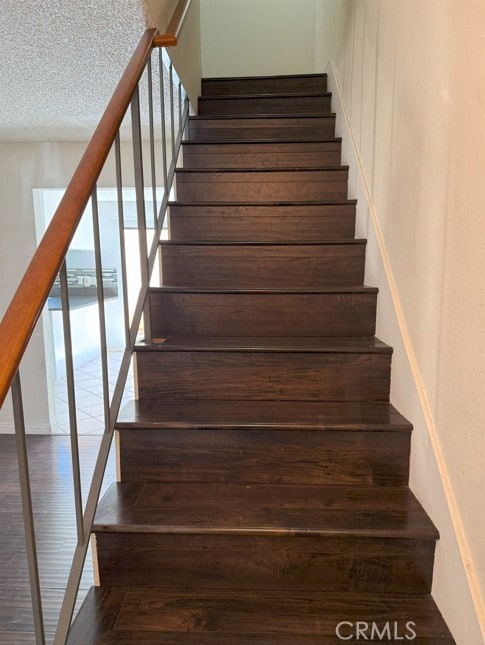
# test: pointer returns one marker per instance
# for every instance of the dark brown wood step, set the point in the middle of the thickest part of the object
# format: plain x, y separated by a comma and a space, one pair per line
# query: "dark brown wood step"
279, 510
258, 185
202, 264
263, 104
332, 538
263, 415
129, 615
267, 344
249, 374
337, 311
257, 84
257, 456
262, 222
263, 442
310, 128
241, 154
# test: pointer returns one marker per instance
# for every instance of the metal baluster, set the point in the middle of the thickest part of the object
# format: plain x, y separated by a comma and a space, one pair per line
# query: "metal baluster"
186, 113
172, 113
180, 105
140, 204
121, 229
164, 133
152, 141
101, 311
71, 398
23, 463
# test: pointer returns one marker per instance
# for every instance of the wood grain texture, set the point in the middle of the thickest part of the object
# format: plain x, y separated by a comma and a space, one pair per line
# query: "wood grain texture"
284, 415
219, 313
315, 103
280, 563
238, 509
51, 484
261, 128
298, 154
152, 615
260, 376
262, 185
262, 265
264, 456
266, 84
265, 222
265, 562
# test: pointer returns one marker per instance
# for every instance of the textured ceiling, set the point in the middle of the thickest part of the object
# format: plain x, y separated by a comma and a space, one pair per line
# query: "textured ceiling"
60, 62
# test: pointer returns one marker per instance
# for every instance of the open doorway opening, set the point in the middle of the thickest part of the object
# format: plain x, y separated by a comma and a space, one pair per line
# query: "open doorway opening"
84, 314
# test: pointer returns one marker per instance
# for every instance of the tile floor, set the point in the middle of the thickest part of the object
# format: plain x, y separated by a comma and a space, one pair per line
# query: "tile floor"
89, 395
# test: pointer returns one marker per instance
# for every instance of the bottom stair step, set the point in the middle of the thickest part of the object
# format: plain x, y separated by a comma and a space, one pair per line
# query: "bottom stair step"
125, 615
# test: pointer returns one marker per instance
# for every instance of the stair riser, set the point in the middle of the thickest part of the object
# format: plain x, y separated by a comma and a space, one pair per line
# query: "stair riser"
275, 85
180, 314
264, 456
263, 376
367, 565
284, 155
262, 223
261, 129
253, 188
265, 105
262, 266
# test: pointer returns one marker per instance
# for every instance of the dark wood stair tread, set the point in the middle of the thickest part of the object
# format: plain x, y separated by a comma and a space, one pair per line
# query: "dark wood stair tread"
360, 416
282, 290
267, 344
261, 142
248, 117
263, 509
269, 171
259, 243
126, 615
267, 204
290, 95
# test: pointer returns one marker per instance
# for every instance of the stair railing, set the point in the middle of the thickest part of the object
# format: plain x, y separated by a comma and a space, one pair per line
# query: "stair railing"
49, 263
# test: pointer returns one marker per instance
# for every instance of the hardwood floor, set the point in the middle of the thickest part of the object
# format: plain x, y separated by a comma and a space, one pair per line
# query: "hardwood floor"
51, 483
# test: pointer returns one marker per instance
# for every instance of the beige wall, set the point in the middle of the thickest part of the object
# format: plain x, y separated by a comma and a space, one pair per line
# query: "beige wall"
24, 166
411, 76
186, 56
257, 37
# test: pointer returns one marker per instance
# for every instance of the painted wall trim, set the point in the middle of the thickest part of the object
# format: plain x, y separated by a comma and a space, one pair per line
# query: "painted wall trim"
478, 600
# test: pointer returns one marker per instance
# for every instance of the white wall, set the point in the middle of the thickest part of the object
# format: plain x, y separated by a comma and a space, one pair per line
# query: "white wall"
411, 77
257, 37
24, 167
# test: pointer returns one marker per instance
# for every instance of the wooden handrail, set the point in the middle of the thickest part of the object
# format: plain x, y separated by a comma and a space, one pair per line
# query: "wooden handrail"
22, 315
177, 21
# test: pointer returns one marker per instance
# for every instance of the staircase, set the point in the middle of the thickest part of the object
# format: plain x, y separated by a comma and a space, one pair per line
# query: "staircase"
263, 494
